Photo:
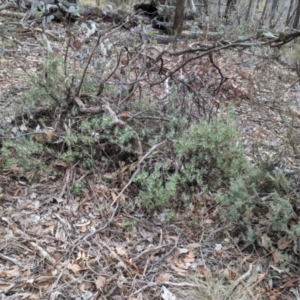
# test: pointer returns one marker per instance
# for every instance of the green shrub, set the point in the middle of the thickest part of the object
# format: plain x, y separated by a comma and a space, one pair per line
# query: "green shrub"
77, 187
258, 204
158, 188
209, 154
82, 140
254, 199
22, 153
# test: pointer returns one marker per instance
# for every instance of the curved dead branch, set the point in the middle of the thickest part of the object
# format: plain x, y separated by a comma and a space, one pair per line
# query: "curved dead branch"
137, 145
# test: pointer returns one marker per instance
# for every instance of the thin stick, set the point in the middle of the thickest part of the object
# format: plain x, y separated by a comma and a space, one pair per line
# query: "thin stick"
289, 88
137, 170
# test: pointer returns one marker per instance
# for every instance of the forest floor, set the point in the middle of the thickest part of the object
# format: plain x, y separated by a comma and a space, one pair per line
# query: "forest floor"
57, 245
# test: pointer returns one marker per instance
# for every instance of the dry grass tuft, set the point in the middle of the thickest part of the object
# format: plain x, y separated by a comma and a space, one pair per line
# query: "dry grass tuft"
214, 288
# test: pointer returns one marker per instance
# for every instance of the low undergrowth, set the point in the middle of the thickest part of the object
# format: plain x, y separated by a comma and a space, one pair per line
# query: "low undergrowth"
204, 153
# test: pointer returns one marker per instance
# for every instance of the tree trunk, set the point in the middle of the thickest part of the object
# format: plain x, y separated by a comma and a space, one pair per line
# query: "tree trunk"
297, 16
274, 5
205, 5
251, 10
229, 7
289, 15
265, 13
273, 9
219, 8
179, 16
192, 6
281, 19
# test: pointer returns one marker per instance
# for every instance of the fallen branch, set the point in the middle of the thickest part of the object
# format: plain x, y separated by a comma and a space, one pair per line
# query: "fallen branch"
240, 279
8, 5
138, 148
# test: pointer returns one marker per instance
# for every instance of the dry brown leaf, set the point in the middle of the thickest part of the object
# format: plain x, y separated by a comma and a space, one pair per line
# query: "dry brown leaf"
179, 271
119, 224
80, 255
208, 221
190, 213
77, 44
120, 250
114, 196
100, 282
57, 256
61, 163
44, 286
276, 257
75, 268
6, 286
230, 275
178, 252
264, 240
203, 271
45, 136
29, 296
45, 279
10, 273
117, 297
264, 222
173, 237
84, 199
193, 246
124, 62
85, 286
163, 277
189, 258
133, 268
122, 198
249, 214
111, 176
239, 288
283, 243
83, 226
139, 297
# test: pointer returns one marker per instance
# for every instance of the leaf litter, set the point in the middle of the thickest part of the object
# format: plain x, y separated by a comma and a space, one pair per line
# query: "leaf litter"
55, 246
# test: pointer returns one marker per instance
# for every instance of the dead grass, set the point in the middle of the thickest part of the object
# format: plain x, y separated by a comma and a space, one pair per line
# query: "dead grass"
217, 288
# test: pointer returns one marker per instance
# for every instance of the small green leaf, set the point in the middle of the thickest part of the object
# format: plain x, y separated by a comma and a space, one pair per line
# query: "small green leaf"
282, 36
